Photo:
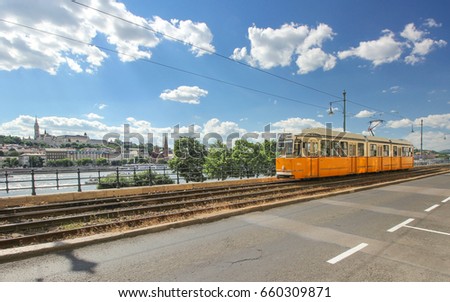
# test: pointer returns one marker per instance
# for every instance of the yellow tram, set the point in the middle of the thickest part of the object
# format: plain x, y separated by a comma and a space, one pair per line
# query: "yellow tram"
322, 152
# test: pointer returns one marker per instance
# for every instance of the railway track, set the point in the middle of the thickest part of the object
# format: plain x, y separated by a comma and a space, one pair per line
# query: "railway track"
27, 225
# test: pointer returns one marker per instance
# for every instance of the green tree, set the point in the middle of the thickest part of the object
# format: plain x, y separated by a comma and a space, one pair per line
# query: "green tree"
10, 140
85, 162
189, 158
101, 162
243, 155
218, 163
12, 152
139, 179
269, 154
36, 161
11, 162
60, 163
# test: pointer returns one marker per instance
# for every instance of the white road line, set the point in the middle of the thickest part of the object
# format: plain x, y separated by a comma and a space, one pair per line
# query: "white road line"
347, 253
445, 200
393, 229
431, 208
426, 230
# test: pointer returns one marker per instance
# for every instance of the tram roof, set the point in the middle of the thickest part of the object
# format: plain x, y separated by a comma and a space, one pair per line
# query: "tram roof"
328, 133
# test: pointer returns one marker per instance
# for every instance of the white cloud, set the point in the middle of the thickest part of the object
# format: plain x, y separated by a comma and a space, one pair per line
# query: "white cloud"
25, 48
435, 121
23, 126
399, 123
388, 48
365, 114
271, 48
430, 22
441, 121
94, 116
313, 59
184, 94
420, 45
101, 106
295, 124
392, 89
411, 33
381, 51
191, 33
432, 140
74, 65
214, 125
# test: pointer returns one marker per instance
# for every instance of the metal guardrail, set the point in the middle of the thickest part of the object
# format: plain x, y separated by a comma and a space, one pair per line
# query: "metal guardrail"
30, 181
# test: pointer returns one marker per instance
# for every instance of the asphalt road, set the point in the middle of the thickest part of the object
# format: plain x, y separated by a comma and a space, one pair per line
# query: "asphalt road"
394, 233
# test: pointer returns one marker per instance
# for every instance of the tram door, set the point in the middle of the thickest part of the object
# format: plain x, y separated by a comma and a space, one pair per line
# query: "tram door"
380, 158
311, 150
352, 157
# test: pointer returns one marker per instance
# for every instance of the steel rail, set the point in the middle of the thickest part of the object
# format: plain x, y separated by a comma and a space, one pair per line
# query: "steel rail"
210, 201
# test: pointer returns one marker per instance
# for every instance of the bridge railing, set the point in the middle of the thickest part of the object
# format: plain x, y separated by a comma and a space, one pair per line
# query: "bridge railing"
42, 181
78, 179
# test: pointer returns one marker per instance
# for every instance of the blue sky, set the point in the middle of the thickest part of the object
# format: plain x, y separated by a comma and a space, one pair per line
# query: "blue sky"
245, 64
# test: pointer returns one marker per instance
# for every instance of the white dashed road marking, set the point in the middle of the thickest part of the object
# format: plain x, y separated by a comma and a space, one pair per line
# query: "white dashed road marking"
347, 253
431, 208
393, 229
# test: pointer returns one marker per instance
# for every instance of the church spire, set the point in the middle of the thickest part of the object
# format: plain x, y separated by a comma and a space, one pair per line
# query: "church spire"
166, 146
36, 129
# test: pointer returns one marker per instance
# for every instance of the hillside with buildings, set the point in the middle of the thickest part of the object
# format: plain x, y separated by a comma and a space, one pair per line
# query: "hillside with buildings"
45, 149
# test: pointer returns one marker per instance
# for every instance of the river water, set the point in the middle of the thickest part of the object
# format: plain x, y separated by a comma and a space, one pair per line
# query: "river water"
19, 182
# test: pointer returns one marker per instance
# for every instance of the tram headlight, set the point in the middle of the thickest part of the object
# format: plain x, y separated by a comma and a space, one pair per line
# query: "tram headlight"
283, 168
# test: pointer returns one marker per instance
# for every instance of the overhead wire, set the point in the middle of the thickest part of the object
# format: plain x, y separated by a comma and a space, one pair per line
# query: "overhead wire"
162, 64
226, 57
204, 49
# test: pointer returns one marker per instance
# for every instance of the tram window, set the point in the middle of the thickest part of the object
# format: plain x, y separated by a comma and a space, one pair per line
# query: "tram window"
311, 148
352, 150
298, 148
406, 151
335, 148
344, 149
373, 150
339, 149
285, 147
325, 148
385, 150
394, 151
360, 149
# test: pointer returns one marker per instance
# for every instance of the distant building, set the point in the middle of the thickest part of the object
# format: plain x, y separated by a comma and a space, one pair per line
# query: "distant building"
67, 139
56, 141
24, 159
74, 155
55, 153
93, 154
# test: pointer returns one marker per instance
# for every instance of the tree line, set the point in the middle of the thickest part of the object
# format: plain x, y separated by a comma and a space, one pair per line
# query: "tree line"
194, 162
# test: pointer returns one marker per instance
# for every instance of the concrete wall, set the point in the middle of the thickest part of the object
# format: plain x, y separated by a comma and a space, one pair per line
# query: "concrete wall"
63, 197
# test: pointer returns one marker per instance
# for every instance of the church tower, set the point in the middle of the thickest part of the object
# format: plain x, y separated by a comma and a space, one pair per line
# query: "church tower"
166, 146
36, 129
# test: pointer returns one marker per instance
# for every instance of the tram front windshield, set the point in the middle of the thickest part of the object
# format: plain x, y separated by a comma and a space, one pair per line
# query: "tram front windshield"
285, 146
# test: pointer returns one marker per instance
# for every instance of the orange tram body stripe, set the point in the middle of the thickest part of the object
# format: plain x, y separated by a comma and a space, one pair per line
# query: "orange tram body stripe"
298, 164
